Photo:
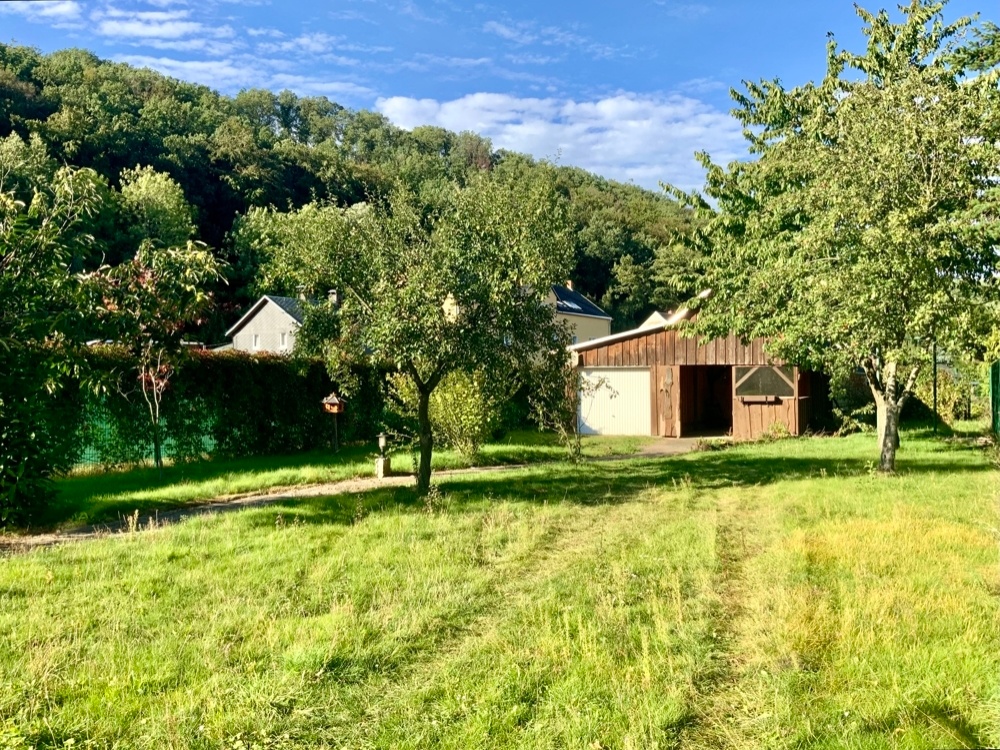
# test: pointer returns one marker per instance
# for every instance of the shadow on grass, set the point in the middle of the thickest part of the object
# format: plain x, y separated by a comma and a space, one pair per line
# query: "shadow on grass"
106, 496
601, 482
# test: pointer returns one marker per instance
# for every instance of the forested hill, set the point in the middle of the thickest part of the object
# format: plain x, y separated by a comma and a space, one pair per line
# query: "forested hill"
258, 148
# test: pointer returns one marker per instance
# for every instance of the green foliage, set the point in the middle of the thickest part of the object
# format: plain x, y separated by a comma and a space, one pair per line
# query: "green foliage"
41, 321
863, 232
427, 291
956, 394
464, 410
154, 207
556, 387
994, 393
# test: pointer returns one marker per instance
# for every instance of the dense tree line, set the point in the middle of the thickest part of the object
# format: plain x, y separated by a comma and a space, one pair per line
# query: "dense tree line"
262, 149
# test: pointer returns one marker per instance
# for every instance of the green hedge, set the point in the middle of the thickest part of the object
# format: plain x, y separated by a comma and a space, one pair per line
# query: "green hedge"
228, 404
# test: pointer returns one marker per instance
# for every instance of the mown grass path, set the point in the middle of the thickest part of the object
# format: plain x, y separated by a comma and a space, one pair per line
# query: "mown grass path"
765, 596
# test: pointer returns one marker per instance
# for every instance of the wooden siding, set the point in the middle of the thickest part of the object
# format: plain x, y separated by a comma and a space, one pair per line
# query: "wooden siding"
753, 420
678, 389
669, 348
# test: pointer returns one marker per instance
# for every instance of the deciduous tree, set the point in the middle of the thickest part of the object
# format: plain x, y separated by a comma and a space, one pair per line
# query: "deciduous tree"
865, 229
459, 289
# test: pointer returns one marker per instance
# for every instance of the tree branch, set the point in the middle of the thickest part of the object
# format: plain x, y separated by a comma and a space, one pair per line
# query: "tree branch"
911, 383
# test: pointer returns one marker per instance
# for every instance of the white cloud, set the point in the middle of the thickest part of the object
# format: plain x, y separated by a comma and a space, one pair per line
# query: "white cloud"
249, 72
219, 74
518, 34
313, 43
352, 15
633, 137
59, 13
265, 32
211, 47
423, 62
701, 86
313, 86
685, 11
524, 33
159, 24
528, 59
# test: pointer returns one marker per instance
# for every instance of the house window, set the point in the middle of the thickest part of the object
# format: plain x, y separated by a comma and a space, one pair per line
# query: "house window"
575, 339
256, 341
284, 340
765, 381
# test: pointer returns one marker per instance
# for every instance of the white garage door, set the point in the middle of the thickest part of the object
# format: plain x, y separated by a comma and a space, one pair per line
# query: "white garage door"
615, 401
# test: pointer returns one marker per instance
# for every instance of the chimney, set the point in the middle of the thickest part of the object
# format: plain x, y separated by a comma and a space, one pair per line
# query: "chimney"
569, 284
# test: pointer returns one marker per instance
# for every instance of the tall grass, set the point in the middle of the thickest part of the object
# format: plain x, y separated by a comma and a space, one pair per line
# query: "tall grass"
776, 595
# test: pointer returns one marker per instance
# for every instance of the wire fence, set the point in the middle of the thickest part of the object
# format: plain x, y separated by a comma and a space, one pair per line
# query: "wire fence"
106, 440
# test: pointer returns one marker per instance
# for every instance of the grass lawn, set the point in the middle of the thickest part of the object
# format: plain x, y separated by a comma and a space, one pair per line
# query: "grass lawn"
778, 595
97, 497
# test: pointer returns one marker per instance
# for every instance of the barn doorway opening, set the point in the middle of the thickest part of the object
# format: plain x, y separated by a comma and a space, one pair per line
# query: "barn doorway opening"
706, 400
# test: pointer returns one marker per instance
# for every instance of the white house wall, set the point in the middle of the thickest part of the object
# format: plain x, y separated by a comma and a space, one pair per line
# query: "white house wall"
269, 323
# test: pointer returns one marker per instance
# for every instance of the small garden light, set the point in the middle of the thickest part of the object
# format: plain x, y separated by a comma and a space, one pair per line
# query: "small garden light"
382, 465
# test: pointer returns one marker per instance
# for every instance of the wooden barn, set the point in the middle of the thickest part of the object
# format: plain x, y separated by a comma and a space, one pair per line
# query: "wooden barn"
653, 381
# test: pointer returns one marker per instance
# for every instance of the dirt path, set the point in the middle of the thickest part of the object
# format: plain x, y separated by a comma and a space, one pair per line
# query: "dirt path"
225, 504
144, 521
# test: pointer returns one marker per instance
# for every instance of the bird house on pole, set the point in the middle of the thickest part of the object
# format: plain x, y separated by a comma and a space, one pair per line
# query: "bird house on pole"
334, 404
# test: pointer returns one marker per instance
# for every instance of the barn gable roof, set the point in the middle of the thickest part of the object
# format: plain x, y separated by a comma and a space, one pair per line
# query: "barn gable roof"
655, 322
288, 305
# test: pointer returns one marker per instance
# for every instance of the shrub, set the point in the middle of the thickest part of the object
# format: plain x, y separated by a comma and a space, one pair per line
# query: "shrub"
956, 394
464, 410
39, 434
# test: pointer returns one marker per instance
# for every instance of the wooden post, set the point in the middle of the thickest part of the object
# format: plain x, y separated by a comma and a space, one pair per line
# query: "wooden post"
935, 389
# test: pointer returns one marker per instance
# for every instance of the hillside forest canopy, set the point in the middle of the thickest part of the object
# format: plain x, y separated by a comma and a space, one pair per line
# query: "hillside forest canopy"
260, 149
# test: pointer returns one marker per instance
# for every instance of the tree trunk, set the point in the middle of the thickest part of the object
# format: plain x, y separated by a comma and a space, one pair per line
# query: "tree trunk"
157, 448
882, 406
889, 410
426, 442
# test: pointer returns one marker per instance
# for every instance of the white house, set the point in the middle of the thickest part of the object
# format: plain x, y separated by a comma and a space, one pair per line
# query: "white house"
269, 326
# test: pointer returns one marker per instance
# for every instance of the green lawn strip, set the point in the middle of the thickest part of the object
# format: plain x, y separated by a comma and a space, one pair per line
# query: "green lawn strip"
193, 635
93, 498
774, 595
865, 611
600, 645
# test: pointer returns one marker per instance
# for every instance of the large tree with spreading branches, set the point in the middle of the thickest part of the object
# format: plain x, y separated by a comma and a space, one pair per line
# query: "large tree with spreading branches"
426, 291
864, 230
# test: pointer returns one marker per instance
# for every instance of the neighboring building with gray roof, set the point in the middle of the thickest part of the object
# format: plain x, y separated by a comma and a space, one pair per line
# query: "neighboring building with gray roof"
269, 326
586, 320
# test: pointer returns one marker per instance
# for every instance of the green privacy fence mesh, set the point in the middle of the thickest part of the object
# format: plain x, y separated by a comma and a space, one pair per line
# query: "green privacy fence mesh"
218, 403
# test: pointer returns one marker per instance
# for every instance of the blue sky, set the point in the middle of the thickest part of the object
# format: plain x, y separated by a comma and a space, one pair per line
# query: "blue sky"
628, 89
